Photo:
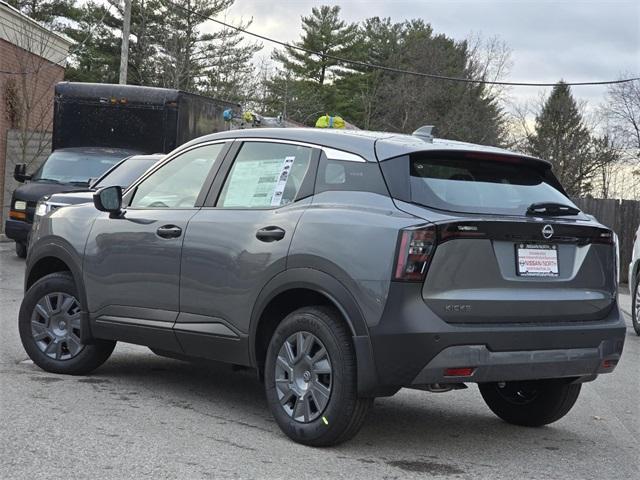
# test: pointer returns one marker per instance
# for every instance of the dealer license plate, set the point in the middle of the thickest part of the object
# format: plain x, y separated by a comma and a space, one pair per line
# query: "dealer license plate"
537, 260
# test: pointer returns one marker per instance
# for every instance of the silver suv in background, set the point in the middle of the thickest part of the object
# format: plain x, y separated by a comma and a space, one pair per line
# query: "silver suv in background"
634, 281
342, 266
123, 174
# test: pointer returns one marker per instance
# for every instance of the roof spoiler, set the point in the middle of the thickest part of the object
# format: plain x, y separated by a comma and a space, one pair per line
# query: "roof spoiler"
424, 133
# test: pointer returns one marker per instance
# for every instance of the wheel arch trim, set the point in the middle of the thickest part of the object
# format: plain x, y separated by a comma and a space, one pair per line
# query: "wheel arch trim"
336, 293
65, 255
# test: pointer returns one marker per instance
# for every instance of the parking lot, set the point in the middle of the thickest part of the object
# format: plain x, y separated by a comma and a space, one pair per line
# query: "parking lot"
143, 416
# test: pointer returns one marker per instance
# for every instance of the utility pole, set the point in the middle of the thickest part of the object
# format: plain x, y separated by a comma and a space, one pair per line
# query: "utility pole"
124, 52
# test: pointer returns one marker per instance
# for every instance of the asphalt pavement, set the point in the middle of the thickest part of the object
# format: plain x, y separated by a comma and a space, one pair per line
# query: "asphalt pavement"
141, 416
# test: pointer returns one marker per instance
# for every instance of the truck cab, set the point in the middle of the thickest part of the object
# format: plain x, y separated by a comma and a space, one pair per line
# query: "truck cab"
95, 126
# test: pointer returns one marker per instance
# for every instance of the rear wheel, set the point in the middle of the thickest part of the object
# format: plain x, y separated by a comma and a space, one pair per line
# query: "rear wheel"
21, 249
530, 403
50, 328
635, 310
310, 378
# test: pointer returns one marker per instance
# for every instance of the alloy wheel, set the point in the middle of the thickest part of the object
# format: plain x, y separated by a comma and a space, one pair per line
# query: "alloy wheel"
303, 377
55, 326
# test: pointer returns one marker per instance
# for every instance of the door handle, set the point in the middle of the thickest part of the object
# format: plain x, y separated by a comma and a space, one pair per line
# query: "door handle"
270, 234
169, 231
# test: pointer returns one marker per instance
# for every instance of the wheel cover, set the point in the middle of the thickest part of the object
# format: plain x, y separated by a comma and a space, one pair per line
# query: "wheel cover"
303, 376
55, 326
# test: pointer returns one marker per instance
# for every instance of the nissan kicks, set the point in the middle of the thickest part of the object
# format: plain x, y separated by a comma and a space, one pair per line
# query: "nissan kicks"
342, 266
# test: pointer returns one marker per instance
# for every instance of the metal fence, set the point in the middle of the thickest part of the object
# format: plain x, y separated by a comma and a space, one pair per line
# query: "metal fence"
623, 216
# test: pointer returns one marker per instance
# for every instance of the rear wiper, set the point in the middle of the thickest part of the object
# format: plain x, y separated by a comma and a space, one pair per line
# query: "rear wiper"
551, 209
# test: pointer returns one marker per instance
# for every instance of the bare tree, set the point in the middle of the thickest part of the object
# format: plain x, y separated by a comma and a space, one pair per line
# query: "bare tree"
28, 93
490, 60
622, 108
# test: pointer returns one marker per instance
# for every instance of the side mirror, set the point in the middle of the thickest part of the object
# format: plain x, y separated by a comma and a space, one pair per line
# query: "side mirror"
20, 173
108, 199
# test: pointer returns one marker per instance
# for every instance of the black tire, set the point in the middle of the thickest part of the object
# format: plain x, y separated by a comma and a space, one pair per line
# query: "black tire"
89, 357
344, 412
634, 313
21, 249
530, 403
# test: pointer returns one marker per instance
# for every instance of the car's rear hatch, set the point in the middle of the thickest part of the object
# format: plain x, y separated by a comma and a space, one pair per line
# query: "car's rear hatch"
504, 247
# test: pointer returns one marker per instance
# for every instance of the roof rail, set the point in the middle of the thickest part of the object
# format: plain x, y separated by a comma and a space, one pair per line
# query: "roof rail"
424, 133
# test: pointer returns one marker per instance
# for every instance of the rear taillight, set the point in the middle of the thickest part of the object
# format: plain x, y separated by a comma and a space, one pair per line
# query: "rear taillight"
604, 236
415, 249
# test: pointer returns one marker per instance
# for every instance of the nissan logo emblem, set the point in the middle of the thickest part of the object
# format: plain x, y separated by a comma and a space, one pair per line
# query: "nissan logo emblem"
547, 231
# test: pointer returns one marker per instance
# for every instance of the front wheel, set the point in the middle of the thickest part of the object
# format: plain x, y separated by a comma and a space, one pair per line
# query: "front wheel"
635, 309
310, 378
530, 403
50, 328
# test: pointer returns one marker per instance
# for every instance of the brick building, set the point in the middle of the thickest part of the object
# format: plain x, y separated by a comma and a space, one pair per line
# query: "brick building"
30, 65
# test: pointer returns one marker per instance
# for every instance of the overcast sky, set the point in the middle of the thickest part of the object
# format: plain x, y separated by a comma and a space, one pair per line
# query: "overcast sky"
576, 40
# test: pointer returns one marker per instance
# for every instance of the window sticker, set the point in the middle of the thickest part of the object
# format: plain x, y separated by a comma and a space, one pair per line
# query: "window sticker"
258, 183
276, 198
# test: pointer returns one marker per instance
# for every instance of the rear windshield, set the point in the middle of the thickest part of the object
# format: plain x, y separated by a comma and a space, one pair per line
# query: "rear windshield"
471, 185
69, 166
125, 173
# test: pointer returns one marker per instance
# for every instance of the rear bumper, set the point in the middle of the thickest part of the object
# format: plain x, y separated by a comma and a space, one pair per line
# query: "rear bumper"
17, 230
584, 363
412, 346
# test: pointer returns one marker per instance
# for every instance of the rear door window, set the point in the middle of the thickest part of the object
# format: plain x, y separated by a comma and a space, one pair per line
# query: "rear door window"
265, 175
473, 185
125, 173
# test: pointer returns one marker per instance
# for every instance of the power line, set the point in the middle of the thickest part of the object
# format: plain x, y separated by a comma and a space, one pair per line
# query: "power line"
343, 60
64, 59
391, 69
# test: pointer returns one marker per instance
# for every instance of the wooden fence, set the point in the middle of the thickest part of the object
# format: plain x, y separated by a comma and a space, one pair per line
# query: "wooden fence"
623, 216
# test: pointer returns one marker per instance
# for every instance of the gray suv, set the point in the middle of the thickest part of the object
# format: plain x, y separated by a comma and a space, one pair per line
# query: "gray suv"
342, 266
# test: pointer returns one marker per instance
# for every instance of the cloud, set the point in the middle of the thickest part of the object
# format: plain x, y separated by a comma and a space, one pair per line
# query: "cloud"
574, 40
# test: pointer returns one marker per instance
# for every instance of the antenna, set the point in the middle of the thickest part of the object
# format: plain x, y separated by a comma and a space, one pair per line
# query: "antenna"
424, 133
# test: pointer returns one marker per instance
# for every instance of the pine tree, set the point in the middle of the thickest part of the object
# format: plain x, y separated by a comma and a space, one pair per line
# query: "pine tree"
52, 13
147, 27
96, 53
387, 100
326, 34
227, 69
357, 92
183, 44
562, 138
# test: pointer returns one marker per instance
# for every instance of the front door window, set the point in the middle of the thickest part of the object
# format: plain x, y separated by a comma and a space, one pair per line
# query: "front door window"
178, 183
